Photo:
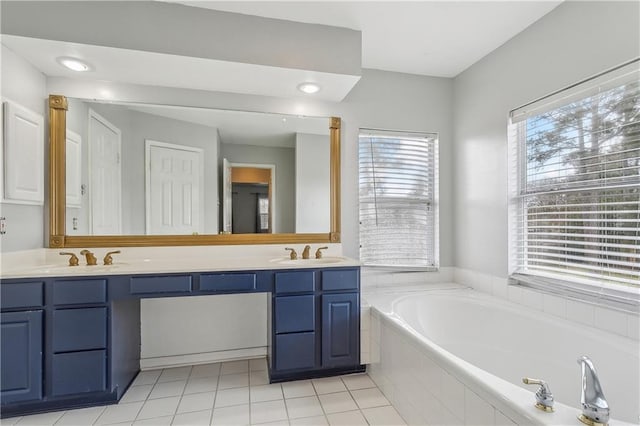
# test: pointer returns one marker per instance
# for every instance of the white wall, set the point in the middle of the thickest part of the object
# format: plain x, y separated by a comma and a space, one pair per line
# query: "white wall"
313, 183
572, 42
24, 84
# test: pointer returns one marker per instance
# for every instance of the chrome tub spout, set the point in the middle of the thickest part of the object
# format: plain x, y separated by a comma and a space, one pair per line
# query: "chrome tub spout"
595, 409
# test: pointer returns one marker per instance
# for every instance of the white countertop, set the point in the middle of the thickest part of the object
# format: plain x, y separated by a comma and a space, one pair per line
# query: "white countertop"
154, 260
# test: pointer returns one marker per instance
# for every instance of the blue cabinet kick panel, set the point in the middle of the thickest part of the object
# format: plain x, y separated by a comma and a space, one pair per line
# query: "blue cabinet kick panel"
71, 342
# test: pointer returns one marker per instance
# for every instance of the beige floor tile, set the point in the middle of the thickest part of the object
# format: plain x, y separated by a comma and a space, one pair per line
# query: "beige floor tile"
234, 367
201, 384
271, 411
266, 392
158, 408
196, 418
157, 421
174, 374
298, 389
80, 417
196, 402
257, 378
258, 364
387, 416
148, 377
167, 389
236, 380
205, 370
120, 413
236, 415
307, 406
229, 397
136, 394
347, 418
43, 419
328, 385
368, 398
309, 421
358, 381
337, 402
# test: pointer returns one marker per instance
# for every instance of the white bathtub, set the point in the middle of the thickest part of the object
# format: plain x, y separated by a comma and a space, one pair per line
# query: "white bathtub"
457, 356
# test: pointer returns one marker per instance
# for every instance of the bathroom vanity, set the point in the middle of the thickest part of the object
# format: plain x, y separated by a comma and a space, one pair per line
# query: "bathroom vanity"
74, 341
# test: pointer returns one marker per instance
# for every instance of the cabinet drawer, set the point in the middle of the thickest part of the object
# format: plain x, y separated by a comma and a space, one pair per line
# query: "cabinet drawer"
340, 279
295, 351
21, 295
150, 285
295, 282
295, 313
228, 282
79, 372
74, 292
79, 329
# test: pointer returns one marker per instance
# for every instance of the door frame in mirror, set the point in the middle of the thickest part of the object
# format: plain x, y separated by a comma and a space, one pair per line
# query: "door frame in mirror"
58, 106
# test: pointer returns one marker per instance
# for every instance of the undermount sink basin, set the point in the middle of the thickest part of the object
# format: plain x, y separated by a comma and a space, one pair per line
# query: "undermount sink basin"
310, 262
80, 269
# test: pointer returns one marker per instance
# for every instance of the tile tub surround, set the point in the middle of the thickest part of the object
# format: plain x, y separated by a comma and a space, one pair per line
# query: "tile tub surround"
586, 313
134, 260
428, 385
204, 395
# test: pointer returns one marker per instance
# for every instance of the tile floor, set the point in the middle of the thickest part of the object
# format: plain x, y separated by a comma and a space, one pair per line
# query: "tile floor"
233, 393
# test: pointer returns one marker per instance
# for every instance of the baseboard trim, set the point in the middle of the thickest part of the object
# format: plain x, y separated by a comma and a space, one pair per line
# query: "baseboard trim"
201, 358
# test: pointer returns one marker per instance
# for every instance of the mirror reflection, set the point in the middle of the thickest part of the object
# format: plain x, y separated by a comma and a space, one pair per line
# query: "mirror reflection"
136, 169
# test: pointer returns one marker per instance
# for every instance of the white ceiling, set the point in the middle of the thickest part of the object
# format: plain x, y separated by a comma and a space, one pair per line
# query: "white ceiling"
240, 127
159, 69
437, 38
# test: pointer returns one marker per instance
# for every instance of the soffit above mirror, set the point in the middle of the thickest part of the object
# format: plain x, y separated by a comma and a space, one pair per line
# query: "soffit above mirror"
180, 46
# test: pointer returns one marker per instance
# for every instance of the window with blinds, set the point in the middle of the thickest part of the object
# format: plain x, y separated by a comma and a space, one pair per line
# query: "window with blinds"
575, 184
398, 199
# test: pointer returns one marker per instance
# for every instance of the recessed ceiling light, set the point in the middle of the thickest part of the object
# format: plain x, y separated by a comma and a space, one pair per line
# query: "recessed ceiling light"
309, 88
73, 64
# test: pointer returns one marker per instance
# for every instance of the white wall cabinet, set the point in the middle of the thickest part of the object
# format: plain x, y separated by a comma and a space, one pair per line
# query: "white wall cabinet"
23, 155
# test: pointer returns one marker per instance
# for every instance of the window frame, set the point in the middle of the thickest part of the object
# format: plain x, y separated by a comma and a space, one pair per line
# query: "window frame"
618, 296
433, 203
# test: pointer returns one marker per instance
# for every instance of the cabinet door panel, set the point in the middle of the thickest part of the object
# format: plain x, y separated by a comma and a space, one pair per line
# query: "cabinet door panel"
21, 351
79, 372
21, 295
295, 351
340, 330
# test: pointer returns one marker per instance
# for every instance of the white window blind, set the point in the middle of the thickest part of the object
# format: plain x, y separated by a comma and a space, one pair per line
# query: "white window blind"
398, 198
576, 183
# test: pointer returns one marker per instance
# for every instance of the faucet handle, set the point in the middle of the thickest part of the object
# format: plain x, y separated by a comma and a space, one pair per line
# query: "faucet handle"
108, 260
293, 254
319, 252
544, 397
73, 260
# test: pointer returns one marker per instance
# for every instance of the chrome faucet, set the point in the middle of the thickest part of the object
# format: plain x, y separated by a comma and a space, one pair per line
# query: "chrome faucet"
544, 397
595, 409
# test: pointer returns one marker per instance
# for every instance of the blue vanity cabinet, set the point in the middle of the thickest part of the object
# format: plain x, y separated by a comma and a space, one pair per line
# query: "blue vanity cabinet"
316, 323
21, 343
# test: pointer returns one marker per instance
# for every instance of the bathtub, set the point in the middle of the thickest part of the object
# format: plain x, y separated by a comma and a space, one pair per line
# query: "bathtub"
457, 356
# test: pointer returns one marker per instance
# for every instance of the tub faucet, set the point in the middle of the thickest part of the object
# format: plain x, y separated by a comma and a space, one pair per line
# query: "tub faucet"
544, 397
595, 409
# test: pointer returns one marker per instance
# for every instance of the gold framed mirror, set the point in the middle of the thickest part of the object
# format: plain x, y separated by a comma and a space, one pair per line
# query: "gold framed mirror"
58, 236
